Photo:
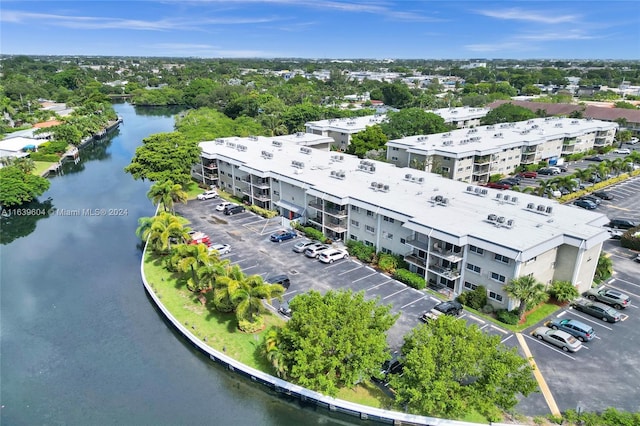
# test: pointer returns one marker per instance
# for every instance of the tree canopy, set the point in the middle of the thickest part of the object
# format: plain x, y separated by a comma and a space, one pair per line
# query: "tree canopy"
412, 121
451, 369
529, 291
164, 156
18, 187
371, 138
508, 113
333, 340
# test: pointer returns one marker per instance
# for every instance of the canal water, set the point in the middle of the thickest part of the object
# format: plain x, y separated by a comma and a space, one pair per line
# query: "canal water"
80, 342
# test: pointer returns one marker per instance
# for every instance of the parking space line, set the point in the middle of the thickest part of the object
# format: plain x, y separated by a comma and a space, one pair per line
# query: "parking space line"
484, 326
624, 317
370, 268
548, 345
506, 338
332, 265
378, 285
393, 294
366, 276
499, 329
590, 320
411, 303
290, 292
624, 281
434, 299
624, 291
350, 270
477, 319
542, 383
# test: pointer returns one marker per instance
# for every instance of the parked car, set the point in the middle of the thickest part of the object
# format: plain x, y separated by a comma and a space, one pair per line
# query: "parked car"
594, 158
622, 151
562, 168
283, 235
199, 238
285, 309
220, 207
615, 234
207, 195
558, 338
314, 250
233, 209
637, 259
602, 194
633, 141
331, 255
450, 307
592, 198
597, 309
220, 248
622, 223
301, 246
391, 366
609, 296
580, 330
528, 175
549, 172
510, 181
585, 204
281, 279
498, 185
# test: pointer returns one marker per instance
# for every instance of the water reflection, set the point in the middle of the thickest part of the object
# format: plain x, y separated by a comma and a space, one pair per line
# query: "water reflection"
14, 226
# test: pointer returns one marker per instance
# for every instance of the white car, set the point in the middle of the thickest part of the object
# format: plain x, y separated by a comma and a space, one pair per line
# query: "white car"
622, 151
220, 248
220, 207
331, 255
633, 141
207, 195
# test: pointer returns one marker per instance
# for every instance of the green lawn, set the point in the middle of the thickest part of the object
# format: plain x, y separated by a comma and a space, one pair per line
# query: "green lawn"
221, 330
41, 166
193, 190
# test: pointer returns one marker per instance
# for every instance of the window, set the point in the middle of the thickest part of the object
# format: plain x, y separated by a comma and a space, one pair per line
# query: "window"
276, 192
368, 243
495, 296
238, 178
229, 174
394, 148
403, 241
445, 170
388, 219
474, 268
353, 237
369, 213
388, 236
553, 265
533, 259
497, 277
501, 258
470, 286
355, 208
459, 169
394, 158
370, 228
476, 250
355, 223
385, 250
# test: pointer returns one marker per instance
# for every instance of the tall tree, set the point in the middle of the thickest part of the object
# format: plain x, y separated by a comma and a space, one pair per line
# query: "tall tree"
334, 340
528, 290
371, 138
451, 369
167, 193
248, 300
507, 113
164, 156
412, 121
18, 187
159, 231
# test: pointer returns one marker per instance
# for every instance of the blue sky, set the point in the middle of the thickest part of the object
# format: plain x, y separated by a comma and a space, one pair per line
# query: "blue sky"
376, 29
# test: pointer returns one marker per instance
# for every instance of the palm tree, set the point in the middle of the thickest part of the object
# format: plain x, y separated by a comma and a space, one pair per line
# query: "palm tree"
159, 231
26, 164
225, 286
167, 193
604, 269
567, 182
212, 270
582, 174
528, 291
617, 166
545, 188
189, 258
248, 298
271, 350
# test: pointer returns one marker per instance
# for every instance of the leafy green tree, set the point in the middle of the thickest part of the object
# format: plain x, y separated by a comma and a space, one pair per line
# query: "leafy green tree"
396, 94
248, 300
225, 286
371, 138
208, 124
167, 193
67, 133
412, 121
188, 258
18, 187
451, 369
165, 156
159, 231
604, 269
335, 340
563, 291
528, 290
270, 349
508, 113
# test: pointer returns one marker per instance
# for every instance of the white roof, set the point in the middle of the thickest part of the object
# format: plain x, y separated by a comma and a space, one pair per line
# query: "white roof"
464, 218
16, 144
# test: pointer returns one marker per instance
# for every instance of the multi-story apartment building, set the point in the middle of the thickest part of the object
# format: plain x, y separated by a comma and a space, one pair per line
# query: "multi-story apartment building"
473, 155
457, 236
342, 129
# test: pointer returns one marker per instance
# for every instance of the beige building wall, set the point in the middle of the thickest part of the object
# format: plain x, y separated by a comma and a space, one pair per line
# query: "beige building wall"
542, 267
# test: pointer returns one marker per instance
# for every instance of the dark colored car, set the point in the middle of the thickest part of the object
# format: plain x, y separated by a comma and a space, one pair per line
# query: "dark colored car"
595, 158
622, 223
598, 310
585, 204
549, 172
450, 307
510, 181
233, 209
391, 366
602, 194
529, 175
591, 198
283, 280
583, 332
283, 235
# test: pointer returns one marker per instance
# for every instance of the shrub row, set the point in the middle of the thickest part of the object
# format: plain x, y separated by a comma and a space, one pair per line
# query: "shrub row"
39, 156
361, 251
475, 299
409, 278
262, 212
630, 240
507, 317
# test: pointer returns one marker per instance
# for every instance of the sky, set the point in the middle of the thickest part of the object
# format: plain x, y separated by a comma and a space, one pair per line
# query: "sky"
334, 29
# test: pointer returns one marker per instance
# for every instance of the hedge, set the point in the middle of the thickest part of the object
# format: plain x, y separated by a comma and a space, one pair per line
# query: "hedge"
49, 158
409, 278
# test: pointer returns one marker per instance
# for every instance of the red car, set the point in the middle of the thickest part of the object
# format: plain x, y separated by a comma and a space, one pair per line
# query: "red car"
498, 185
531, 175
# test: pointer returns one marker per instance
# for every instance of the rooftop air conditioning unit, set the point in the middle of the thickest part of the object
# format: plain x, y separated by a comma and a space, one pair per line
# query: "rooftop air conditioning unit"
501, 219
498, 196
541, 208
438, 198
380, 185
492, 218
407, 176
477, 190
420, 179
484, 192
506, 198
549, 210
510, 223
531, 206
469, 188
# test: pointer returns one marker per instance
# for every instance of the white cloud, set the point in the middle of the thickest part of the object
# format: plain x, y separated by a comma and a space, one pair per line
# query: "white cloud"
553, 36
516, 14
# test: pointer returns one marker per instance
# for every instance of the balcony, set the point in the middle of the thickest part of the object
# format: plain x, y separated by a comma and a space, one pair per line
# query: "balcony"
415, 260
261, 184
481, 170
316, 204
570, 141
316, 219
336, 226
211, 166
336, 212
486, 159
418, 243
449, 255
262, 196
448, 273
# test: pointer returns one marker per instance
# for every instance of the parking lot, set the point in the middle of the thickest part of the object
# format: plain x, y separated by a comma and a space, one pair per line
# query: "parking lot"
604, 373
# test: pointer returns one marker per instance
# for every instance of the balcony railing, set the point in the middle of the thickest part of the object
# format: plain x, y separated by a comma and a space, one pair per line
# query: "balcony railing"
418, 243
316, 204
449, 273
262, 196
336, 226
412, 258
449, 255
333, 211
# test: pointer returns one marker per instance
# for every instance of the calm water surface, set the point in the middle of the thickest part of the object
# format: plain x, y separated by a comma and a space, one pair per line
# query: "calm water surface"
80, 343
